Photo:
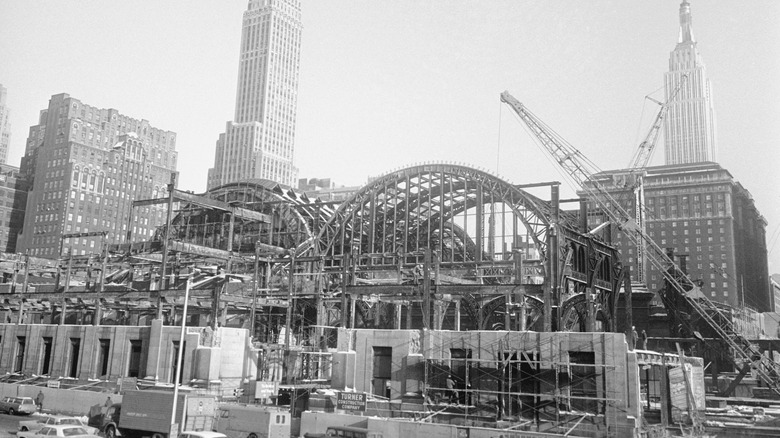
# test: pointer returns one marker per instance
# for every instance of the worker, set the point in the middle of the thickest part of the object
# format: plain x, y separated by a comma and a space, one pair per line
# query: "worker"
643, 340
39, 400
452, 393
108, 402
632, 338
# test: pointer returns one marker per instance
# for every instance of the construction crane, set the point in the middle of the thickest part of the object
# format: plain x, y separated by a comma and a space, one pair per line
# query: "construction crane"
577, 167
636, 169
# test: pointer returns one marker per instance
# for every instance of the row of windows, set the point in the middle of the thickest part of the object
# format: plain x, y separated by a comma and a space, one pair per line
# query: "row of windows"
73, 354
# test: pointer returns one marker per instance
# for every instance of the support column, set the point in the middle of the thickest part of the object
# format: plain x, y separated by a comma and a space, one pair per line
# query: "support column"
666, 404
344, 282
629, 306
521, 323
66, 289
457, 315
255, 287
427, 288
166, 238
101, 287
554, 262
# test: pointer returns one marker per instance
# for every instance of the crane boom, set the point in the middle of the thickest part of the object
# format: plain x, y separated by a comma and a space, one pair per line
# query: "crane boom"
645, 151
582, 172
638, 163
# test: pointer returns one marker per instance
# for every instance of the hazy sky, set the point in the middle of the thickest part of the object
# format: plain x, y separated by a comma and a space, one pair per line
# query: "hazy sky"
386, 84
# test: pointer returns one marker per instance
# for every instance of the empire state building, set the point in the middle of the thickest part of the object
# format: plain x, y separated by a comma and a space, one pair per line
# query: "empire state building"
689, 131
260, 141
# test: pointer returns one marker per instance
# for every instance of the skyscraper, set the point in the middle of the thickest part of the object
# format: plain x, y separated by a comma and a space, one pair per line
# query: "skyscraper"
85, 166
5, 126
260, 141
689, 131
703, 214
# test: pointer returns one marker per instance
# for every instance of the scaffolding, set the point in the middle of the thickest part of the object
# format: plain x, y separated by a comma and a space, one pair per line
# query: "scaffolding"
542, 388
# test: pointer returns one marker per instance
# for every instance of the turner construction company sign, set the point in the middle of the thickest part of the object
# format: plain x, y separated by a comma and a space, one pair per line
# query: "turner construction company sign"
351, 401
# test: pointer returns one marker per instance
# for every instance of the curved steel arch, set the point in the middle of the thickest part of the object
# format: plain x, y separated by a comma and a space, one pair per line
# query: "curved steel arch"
411, 209
296, 217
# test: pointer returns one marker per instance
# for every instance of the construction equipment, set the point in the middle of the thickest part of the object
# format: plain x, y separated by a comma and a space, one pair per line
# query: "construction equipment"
582, 171
636, 168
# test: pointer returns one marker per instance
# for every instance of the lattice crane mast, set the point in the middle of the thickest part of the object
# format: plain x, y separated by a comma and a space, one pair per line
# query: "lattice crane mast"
582, 171
636, 167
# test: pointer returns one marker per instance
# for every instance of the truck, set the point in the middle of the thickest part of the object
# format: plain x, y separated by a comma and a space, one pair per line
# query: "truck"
145, 413
248, 421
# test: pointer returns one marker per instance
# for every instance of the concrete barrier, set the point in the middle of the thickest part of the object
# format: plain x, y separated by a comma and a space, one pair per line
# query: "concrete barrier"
64, 401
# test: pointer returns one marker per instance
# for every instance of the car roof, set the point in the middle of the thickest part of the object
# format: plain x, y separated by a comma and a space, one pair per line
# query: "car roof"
63, 426
204, 433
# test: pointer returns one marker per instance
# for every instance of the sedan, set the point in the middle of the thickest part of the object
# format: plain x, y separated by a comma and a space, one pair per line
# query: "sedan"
52, 420
60, 430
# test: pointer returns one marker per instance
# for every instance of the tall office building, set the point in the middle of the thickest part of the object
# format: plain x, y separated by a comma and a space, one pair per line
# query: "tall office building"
5, 126
705, 216
85, 166
689, 130
13, 198
260, 141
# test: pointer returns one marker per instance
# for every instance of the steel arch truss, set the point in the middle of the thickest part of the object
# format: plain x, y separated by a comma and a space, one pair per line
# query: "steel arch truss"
464, 214
294, 218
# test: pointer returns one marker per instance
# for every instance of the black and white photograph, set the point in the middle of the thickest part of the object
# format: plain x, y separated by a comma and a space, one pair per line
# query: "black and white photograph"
389, 219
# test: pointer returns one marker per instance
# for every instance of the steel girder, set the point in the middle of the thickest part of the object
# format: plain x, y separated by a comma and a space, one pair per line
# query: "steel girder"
416, 208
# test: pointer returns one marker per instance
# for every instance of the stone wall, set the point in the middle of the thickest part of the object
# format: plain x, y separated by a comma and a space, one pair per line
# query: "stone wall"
220, 356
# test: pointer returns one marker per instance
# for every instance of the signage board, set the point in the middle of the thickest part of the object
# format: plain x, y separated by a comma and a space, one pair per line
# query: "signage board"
128, 383
272, 302
351, 401
265, 389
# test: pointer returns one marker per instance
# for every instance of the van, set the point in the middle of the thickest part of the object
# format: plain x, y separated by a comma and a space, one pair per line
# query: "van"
248, 421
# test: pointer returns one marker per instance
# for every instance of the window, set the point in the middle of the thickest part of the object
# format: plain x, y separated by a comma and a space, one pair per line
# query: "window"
382, 370
21, 343
73, 363
46, 356
103, 356
134, 362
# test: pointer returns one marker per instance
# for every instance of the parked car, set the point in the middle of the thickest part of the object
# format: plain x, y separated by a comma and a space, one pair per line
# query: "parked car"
18, 405
202, 434
59, 430
51, 420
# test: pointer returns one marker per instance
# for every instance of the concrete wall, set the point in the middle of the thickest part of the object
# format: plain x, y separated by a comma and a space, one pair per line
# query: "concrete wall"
224, 355
317, 422
89, 340
71, 402
617, 371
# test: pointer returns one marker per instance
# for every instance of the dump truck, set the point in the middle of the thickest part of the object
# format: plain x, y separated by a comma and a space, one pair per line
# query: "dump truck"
141, 414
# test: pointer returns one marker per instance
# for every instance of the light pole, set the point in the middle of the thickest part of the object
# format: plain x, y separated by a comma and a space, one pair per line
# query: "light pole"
179, 356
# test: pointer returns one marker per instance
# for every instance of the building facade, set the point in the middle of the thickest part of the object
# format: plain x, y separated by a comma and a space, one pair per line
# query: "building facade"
689, 127
260, 141
708, 219
13, 199
85, 166
326, 190
5, 126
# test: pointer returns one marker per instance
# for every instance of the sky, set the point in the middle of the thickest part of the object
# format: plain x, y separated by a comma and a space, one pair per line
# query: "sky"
385, 85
